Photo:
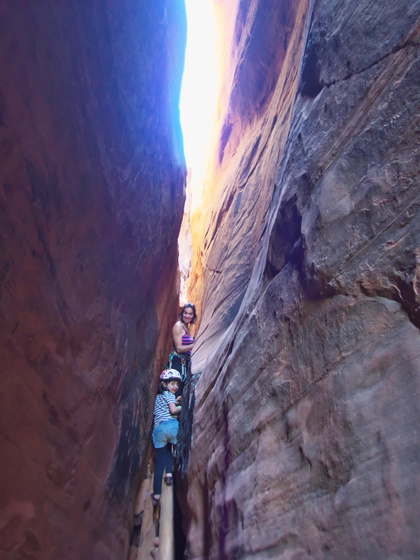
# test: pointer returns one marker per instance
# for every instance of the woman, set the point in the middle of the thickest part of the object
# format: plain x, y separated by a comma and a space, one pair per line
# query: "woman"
180, 357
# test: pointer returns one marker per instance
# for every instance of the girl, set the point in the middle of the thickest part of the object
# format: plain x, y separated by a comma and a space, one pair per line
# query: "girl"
165, 429
180, 358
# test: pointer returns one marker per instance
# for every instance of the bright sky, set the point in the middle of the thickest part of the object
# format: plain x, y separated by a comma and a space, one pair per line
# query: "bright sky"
200, 82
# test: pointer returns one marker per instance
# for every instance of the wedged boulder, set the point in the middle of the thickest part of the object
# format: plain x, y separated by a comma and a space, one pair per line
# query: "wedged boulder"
91, 200
305, 440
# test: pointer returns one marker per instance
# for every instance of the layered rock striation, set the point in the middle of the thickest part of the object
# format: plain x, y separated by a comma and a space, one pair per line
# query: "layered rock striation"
91, 200
305, 440
256, 102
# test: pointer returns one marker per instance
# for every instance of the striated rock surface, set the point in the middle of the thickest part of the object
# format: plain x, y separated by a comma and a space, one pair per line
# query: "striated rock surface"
91, 198
305, 440
261, 78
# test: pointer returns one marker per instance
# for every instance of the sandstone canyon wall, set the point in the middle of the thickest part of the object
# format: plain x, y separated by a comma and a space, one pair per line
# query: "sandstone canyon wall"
91, 198
306, 267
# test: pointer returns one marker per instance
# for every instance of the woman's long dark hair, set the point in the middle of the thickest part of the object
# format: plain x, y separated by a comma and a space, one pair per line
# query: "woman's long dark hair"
191, 306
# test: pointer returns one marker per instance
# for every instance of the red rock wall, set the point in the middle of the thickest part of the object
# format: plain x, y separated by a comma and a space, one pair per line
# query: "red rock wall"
305, 440
91, 197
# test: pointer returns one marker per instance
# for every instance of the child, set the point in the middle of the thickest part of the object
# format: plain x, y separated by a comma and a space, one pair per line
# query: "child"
165, 429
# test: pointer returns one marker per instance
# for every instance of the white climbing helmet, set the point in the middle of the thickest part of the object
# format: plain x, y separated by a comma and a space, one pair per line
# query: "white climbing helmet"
170, 375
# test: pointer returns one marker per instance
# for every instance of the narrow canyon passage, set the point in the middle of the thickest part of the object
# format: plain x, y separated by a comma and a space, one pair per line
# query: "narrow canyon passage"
299, 436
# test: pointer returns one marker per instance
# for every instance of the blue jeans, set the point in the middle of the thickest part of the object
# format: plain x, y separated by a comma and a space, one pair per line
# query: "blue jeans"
164, 436
165, 432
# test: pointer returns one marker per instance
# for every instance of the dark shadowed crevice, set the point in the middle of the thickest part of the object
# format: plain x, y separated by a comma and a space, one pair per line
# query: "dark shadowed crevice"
310, 85
400, 291
180, 539
185, 425
285, 241
182, 451
406, 296
128, 456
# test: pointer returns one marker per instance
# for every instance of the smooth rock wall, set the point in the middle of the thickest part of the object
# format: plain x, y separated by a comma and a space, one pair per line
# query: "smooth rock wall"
91, 201
305, 440
263, 40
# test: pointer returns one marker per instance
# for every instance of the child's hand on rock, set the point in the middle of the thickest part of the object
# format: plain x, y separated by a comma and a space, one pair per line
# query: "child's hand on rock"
178, 399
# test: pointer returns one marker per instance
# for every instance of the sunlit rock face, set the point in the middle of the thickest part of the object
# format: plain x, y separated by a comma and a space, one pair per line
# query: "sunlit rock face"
91, 198
260, 84
305, 438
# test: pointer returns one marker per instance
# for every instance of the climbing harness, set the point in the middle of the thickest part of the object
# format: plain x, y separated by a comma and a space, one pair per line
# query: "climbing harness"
185, 364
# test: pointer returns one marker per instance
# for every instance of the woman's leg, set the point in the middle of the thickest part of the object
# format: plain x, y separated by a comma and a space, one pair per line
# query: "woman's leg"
177, 364
185, 370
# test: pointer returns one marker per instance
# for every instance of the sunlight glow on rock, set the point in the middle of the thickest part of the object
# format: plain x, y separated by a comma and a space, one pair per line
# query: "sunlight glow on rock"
200, 84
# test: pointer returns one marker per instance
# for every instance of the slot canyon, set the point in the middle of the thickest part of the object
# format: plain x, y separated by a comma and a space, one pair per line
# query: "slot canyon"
300, 434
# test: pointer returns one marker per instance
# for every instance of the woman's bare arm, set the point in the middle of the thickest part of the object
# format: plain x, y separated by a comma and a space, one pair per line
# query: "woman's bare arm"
177, 333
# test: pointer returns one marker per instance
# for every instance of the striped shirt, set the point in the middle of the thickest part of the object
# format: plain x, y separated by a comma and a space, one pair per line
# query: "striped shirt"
161, 411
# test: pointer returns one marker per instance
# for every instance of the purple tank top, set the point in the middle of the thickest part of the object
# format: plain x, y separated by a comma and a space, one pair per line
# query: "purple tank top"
186, 339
